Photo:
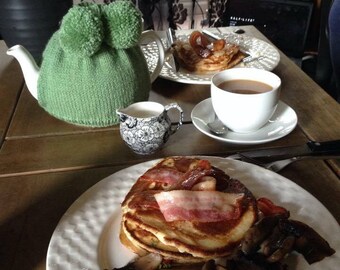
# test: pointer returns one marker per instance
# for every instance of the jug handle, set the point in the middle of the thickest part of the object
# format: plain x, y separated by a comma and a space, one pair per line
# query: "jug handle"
180, 121
150, 36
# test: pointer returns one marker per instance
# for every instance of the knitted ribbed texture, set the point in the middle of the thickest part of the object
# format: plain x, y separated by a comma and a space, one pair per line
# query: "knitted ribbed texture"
82, 79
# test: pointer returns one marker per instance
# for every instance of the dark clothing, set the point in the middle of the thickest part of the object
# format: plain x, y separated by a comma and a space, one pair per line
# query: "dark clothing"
334, 41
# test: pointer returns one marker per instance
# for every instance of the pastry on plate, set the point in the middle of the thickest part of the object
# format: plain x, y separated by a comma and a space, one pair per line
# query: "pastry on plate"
199, 55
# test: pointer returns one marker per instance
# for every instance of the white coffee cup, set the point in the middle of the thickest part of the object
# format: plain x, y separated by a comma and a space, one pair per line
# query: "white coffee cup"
237, 108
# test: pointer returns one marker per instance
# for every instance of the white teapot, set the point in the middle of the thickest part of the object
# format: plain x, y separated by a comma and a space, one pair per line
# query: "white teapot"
93, 65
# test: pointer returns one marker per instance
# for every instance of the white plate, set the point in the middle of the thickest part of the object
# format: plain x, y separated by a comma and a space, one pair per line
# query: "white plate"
269, 61
283, 121
87, 235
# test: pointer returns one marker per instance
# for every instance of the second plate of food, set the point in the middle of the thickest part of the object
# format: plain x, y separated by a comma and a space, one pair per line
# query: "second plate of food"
267, 57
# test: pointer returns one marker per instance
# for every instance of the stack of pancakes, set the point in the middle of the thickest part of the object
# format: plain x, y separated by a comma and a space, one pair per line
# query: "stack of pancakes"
145, 229
188, 58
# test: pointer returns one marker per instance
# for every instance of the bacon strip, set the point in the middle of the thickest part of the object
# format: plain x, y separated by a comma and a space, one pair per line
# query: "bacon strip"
144, 200
191, 178
178, 179
201, 206
162, 175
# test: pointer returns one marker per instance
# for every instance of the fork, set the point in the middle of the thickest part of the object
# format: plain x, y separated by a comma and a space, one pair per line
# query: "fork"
250, 56
278, 165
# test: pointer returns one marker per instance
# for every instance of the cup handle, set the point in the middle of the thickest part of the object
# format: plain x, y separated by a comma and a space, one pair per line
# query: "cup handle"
180, 121
150, 36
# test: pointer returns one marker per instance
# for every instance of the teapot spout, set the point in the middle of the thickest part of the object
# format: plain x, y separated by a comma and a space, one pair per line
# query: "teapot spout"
29, 67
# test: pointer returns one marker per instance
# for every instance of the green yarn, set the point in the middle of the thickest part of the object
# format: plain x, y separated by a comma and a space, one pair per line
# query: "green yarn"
84, 80
81, 31
119, 17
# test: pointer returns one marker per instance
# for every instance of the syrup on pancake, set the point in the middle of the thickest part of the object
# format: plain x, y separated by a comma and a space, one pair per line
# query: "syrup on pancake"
187, 214
199, 55
166, 213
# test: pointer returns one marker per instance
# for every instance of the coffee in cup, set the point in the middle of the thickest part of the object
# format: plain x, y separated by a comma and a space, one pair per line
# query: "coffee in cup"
244, 99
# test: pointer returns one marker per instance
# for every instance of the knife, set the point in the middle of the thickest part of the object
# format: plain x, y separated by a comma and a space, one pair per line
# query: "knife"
326, 149
171, 37
249, 56
211, 35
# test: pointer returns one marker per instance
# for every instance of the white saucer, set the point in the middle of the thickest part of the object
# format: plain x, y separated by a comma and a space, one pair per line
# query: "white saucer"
281, 124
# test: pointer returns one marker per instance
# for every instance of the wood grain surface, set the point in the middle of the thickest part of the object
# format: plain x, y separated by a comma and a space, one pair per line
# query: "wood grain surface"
46, 164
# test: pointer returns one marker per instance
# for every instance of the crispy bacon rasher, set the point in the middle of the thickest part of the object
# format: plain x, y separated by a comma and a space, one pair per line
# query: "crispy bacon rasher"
185, 211
200, 55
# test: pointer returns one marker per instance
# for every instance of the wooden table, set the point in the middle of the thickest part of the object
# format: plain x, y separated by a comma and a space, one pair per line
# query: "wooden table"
46, 164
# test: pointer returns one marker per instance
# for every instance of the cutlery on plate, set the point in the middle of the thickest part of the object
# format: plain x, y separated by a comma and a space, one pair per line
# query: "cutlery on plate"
171, 38
276, 159
212, 35
215, 126
236, 31
250, 56
274, 166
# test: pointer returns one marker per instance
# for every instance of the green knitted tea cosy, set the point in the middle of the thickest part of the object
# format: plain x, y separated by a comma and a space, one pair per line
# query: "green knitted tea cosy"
93, 65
